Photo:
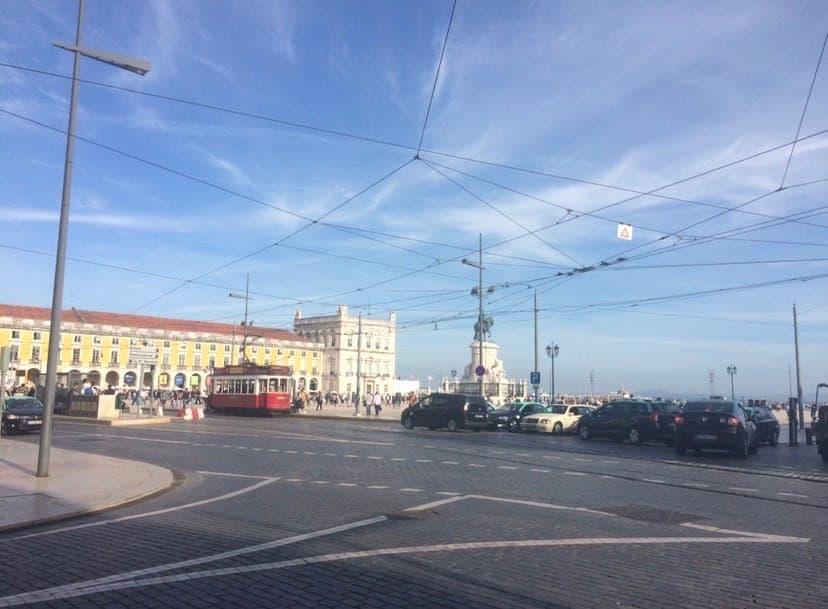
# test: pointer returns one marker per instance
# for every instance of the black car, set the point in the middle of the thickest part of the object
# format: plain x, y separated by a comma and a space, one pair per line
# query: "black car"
21, 413
631, 420
510, 415
719, 424
450, 410
767, 425
665, 420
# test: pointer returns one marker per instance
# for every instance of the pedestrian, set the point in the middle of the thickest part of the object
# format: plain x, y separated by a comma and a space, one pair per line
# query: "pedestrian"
377, 403
319, 401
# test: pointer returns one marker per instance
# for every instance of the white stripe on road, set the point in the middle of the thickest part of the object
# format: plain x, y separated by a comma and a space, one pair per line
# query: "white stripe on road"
654, 481
696, 484
539, 470
450, 462
433, 504
377, 486
176, 508
506, 467
741, 489
411, 490
575, 473
793, 495
95, 586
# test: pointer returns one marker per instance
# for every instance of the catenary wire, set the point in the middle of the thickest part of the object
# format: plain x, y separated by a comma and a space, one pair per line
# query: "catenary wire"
436, 77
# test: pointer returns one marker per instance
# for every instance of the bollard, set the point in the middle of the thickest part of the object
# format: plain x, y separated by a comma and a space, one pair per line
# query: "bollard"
809, 436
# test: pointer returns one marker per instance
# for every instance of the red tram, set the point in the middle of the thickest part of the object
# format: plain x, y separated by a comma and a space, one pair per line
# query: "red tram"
251, 388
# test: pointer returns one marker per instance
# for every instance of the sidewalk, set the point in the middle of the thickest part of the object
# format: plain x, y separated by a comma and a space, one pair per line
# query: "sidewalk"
78, 483
388, 414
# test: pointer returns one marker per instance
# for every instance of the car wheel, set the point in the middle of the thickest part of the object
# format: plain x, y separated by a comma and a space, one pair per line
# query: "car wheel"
584, 433
558, 428
742, 448
408, 422
681, 449
451, 425
633, 435
514, 425
774, 439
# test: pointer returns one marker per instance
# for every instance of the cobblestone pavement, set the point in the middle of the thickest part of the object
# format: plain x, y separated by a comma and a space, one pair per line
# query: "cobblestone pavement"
289, 512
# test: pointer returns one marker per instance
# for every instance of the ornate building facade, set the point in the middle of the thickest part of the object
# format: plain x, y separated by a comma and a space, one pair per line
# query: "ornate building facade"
96, 345
353, 345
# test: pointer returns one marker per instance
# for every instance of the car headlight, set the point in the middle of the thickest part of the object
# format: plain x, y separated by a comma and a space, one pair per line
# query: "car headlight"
12, 417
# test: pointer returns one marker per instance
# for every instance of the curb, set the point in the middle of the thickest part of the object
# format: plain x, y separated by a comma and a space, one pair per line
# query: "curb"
114, 422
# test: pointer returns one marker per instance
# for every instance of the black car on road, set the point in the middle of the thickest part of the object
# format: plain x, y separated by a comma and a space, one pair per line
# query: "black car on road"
509, 416
631, 420
767, 425
718, 424
21, 413
450, 410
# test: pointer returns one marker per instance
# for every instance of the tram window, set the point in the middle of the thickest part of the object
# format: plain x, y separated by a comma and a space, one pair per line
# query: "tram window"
251, 386
262, 385
274, 385
283, 385
237, 386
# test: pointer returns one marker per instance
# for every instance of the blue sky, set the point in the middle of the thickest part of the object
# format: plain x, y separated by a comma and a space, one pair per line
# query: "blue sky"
548, 122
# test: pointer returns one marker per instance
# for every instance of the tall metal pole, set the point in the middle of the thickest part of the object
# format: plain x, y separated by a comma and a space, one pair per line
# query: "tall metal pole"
44, 450
536, 342
800, 406
480, 312
553, 375
359, 364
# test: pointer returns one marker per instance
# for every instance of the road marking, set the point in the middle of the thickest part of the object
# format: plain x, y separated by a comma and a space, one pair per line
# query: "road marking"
94, 585
793, 495
654, 481
433, 504
580, 459
377, 486
764, 536
741, 489
448, 493
351, 456
346, 484
450, 462
328, 454
274, 450
98, 586
232, 475
506, 467
423, 460
176, 508
575, 473
398, 459
376, 458
309, 453
245, 448
521, 454
290, 452
411, 490
551, 457
260, 449
539, 470
696, 484
320, 482
476, 465
293, 480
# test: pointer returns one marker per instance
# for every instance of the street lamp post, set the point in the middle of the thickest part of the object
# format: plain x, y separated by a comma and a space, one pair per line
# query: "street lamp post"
552, 351
731, 370
454, 381
140, 67
245, 324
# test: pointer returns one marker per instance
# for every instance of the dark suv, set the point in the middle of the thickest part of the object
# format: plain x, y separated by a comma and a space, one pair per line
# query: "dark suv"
450, 410
631, 420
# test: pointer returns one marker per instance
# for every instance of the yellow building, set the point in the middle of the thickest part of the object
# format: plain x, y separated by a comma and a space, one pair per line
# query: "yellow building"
97, 346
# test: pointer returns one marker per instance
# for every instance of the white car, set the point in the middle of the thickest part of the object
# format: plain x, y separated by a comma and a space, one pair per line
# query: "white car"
559, 418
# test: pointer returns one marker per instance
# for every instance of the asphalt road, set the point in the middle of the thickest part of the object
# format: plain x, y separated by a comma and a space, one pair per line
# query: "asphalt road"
288, 512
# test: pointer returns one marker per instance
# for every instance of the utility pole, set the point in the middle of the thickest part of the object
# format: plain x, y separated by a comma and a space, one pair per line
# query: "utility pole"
711, 375
245, 324
591, 384
479, 266
359, 364
800, 406
536, 343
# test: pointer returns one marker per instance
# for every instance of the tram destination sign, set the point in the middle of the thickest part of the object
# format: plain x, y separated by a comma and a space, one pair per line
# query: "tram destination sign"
143, 354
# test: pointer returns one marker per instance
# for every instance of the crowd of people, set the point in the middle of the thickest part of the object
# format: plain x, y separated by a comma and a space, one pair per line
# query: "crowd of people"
370, 402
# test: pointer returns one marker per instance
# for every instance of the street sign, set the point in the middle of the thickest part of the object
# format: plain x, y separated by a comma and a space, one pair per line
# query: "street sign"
534, 378
480, 371
624, 231
143, 354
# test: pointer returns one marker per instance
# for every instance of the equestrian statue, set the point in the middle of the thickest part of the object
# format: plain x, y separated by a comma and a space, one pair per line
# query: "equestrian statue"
486, 332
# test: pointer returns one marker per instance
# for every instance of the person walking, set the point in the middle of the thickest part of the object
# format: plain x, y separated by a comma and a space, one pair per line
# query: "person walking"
319, 401
377, 403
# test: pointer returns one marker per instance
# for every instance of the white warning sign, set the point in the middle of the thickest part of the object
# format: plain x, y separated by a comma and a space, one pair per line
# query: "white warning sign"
625, 232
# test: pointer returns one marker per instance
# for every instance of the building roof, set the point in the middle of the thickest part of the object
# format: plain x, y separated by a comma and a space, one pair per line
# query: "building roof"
144, 322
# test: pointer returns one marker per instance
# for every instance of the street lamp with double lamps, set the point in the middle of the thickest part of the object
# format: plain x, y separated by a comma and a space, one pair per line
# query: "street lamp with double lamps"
140, 67
731, 370
479, 266
552, 352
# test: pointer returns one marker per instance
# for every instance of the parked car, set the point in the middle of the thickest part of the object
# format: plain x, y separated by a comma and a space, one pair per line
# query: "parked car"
450, 410
718, 424
665, 420
767, 425
819, 429
21, 414
510, 415
631, 420
557, 418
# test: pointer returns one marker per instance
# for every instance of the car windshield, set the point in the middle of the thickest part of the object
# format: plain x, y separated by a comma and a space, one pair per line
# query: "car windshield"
724, 407
669, 407
26, 402
556, 409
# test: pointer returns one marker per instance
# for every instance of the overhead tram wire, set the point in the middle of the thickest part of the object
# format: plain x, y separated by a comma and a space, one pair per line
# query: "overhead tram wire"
528, 231
577, 213
804, 111
436, 78
354, 136
285, 238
